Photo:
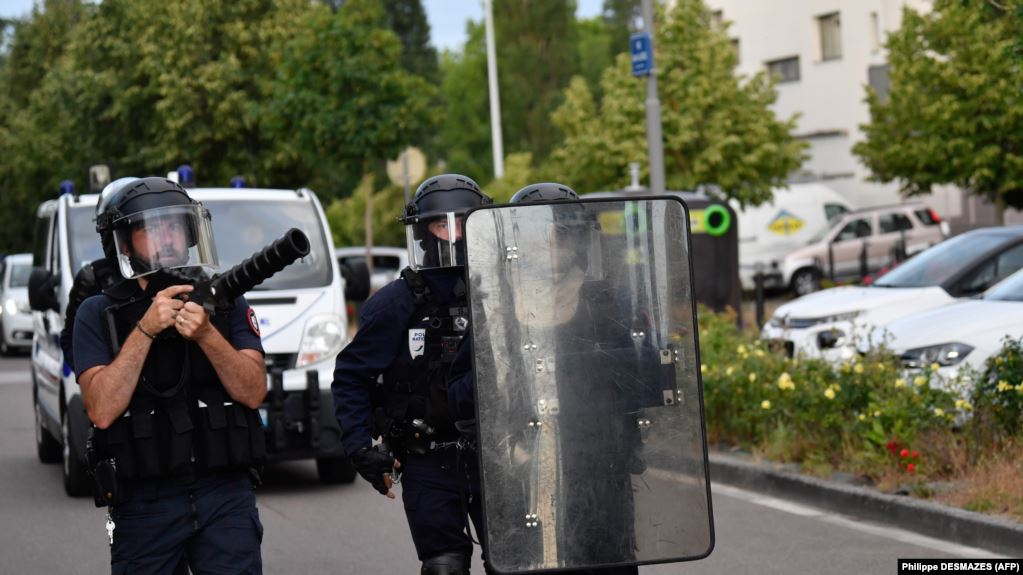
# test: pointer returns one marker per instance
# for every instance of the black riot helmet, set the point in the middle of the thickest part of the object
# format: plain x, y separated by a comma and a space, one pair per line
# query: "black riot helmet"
152, 223
433, 220
544, 192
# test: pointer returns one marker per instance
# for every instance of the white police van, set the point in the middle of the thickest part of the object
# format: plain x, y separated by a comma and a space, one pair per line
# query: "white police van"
301, 312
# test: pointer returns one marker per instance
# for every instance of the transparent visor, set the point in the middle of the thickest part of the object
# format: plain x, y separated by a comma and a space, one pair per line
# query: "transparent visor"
436, 243
170, 237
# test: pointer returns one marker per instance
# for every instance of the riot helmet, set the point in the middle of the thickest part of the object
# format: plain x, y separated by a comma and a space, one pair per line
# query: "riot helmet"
433, 220
152, 223
101, 205
544, 192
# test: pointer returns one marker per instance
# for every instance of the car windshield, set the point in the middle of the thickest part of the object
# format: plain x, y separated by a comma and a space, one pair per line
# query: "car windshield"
19, 275
936, 265
240, 229
1009, 289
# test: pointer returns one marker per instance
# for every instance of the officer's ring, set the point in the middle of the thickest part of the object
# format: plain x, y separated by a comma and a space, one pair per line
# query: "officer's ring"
180, 319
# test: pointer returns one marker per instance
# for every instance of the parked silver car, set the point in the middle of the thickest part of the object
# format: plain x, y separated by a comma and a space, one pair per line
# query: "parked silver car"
15, 314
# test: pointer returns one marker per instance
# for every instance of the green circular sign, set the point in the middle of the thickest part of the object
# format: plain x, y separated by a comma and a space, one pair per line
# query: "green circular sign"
723, 217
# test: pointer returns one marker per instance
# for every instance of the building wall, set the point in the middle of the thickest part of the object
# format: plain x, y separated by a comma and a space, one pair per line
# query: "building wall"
829, 96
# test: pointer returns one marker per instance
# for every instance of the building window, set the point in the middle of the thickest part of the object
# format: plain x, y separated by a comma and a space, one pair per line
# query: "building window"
717, 20
735, 48
875, 32
831, 36
785, 69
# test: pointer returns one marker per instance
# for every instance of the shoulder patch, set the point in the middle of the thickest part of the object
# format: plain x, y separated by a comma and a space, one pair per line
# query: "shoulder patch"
253, 322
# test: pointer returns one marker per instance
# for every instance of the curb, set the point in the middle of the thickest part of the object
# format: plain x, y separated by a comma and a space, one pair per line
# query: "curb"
920, 516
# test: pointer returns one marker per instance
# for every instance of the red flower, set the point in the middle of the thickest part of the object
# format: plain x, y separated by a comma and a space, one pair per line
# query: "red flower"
892, 445
915, 454
904, 453
911, 468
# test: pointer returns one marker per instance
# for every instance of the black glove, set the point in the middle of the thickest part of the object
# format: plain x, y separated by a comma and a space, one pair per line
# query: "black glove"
372, 464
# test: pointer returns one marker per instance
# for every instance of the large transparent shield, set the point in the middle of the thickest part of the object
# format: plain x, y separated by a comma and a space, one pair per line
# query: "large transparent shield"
592, 438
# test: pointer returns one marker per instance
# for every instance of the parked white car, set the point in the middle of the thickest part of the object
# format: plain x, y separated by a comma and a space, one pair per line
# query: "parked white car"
831, 323
15, 315
962, 335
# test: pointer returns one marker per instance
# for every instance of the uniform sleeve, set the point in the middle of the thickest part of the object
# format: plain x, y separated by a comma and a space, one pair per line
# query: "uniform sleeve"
244, 327
90, 341
384, 321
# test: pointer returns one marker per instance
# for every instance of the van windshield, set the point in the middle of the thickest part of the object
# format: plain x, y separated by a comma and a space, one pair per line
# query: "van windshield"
240, 229
19, 275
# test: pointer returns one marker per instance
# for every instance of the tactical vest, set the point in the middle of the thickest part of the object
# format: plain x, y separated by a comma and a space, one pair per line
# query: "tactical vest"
180, 422
412, 403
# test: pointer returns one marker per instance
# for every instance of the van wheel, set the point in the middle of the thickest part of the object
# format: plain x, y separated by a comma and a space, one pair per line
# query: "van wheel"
5, 348
335, 470
805, 281
47, 447
76, 481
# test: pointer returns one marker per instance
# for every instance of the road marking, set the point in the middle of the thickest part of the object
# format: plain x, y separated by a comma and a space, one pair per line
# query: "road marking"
856, 525
15, 377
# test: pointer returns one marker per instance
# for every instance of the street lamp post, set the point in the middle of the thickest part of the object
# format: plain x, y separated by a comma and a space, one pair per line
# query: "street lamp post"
495, 96
655, 142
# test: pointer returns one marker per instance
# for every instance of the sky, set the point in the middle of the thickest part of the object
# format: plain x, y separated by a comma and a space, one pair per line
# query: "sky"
447, 17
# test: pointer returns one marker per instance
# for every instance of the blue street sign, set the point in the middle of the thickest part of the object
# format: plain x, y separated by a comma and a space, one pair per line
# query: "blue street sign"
642, 54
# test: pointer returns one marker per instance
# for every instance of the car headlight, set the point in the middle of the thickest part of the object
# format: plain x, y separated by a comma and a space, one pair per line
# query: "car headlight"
324, 336
944, 354
11, 306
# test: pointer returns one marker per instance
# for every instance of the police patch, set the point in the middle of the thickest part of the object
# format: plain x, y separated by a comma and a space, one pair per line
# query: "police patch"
416, 342
253, 322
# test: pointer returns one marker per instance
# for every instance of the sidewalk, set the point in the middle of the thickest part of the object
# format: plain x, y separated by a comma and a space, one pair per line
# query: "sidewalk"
924, 517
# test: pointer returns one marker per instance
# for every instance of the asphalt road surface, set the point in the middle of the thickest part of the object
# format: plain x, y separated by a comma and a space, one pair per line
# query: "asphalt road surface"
312, 528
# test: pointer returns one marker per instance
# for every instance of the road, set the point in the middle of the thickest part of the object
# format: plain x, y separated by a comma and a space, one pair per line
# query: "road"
350, 529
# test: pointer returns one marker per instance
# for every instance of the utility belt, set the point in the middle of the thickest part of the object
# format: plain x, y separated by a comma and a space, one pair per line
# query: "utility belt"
163, 439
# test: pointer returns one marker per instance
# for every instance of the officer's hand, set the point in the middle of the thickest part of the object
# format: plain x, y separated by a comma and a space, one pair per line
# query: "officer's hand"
192, 322
164, 309
375, 466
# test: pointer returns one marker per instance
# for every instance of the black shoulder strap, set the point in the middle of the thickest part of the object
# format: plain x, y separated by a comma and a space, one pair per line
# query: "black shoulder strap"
422, 294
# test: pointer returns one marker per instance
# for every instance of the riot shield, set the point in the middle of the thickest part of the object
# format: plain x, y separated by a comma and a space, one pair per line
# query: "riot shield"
590, 410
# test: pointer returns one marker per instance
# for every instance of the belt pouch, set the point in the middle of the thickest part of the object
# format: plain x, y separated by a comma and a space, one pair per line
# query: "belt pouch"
213, 432
179, 442
116, 443
150, 460
238, 436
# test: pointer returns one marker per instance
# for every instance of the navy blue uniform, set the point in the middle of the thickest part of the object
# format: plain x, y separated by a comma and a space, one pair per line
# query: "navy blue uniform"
440, 487
211, 521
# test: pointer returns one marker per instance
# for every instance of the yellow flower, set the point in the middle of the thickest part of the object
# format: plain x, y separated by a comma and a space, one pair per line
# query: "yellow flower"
1004, 385
858, 368
752, 377
877, 413
741, 349
999, 360
863, 417
703, 368
829, 393
900, 382
759, 353
846, 368
935, 367
880, 366
963, 405
919, 381
785, 381
939, 412
765, 404
730, 370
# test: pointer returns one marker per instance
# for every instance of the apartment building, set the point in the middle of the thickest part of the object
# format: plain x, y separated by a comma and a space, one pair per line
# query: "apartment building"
824, 53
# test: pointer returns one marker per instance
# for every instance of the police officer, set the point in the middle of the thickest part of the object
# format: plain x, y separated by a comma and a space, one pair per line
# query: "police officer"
461, 391
172, 393
409, 333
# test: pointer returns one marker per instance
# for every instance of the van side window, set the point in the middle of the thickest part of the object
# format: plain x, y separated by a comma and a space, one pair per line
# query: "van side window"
894, 222
855, 229
834, 211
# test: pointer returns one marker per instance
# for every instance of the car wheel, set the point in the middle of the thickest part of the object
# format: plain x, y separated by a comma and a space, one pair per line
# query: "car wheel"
805, 282
335, 470
5, 348
76, 480
47, 447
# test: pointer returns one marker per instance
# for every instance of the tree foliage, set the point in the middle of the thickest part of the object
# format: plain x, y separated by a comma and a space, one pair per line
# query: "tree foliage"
953, 114
718, 129
285, 92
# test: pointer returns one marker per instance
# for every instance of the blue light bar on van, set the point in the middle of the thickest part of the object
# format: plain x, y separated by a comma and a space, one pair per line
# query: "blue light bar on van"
237, 182
67, 187
186, 177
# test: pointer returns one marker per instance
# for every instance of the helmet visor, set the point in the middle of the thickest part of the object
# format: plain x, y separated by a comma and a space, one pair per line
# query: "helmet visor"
168, 237
436, 243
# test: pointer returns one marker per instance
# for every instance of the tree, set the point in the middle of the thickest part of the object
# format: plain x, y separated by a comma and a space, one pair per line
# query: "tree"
407, 19
718, 129
620, 17
953, 114
341, 98
465, 134
595, 51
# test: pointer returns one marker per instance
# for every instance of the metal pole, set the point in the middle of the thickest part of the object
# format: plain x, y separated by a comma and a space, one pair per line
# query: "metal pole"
404, 167
495, 97
655, 142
